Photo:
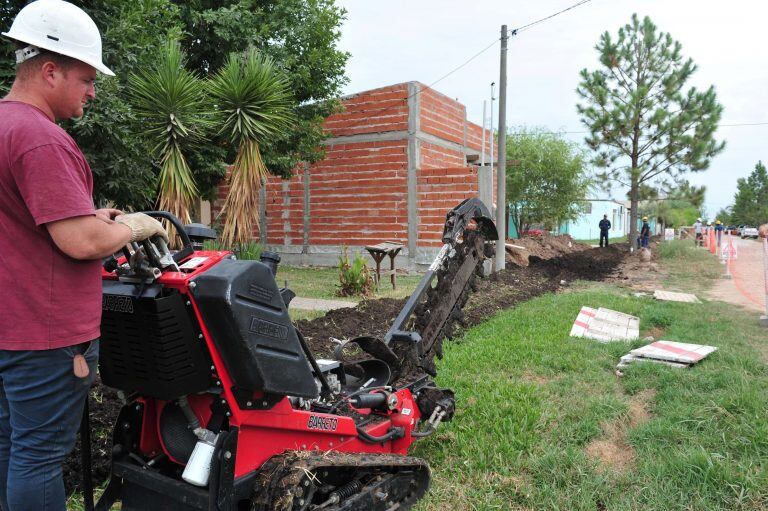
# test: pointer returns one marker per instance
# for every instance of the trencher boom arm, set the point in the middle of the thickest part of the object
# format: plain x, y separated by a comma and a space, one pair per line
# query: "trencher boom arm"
467, 234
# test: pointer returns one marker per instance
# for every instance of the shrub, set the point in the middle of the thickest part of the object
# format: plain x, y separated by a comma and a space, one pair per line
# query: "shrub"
250, 250
354, 277
244, 251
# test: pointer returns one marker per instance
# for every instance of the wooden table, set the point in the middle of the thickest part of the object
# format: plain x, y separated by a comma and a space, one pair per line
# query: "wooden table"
379, 252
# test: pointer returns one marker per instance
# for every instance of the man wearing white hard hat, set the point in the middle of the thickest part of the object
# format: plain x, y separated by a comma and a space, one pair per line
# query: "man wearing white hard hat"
698, 231
50, 249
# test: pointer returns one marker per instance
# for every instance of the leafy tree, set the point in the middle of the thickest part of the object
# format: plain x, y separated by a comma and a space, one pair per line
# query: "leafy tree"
672, 204
725, 215
254, 103
750, 205
644, 126
548, 181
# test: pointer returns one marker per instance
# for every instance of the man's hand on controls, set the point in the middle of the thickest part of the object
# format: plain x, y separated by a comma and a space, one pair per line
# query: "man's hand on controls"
142, 226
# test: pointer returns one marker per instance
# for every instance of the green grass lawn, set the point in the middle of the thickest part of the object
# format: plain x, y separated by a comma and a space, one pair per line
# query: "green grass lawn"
319, 282
689, 268
543, 421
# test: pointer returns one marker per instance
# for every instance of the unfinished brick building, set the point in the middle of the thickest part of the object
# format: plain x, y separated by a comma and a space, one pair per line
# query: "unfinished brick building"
398, 159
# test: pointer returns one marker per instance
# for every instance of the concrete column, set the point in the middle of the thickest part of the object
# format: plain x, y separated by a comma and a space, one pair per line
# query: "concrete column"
263, 213
305, 184
485, 186
414, 158
204, 207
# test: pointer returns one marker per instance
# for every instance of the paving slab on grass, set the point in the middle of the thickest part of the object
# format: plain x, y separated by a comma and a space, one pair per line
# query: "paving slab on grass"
680, 352
605, 325
670, 296
629, 358
318, 304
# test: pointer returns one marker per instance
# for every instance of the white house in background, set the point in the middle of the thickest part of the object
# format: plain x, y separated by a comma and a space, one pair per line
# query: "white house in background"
586, 226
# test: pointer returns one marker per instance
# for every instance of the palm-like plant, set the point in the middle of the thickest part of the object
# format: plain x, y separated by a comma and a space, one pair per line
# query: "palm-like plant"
254, 103
171, 102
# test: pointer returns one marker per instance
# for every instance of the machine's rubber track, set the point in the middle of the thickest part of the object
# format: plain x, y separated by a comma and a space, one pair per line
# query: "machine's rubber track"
334, 481
435, 319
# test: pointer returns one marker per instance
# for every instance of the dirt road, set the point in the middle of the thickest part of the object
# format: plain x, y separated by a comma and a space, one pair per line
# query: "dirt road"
747, 287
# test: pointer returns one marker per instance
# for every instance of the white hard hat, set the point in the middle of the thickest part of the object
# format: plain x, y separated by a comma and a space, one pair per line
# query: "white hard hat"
698, 219
59, 27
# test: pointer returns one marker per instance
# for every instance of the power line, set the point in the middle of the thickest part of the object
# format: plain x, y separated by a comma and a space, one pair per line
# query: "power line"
529, 25
470, 59
745, 124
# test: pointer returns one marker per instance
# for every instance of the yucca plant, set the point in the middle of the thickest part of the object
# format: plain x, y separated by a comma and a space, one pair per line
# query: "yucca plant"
171, 102
253, 103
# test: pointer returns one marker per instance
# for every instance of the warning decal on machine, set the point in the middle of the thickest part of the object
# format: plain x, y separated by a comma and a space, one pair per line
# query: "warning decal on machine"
193, 263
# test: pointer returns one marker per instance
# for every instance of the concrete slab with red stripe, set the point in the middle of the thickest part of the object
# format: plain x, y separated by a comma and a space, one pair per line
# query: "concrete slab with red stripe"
679, 352
605, 325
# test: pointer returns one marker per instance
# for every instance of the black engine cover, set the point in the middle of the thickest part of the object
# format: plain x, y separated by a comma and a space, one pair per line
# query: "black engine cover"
245, 314
150, 344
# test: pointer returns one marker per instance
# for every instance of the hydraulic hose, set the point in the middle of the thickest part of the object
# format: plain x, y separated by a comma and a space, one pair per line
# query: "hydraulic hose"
393, 434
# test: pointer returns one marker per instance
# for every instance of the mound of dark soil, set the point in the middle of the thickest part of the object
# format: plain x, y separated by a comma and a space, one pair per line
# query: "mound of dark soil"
373, 318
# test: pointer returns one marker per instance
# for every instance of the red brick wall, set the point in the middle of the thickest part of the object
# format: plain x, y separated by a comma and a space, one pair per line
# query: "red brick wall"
434, 156
441, 116
475, 139
374, 111
358, 194
440, 190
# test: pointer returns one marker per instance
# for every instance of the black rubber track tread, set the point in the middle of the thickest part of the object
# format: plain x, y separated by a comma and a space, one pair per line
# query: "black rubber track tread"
281, 476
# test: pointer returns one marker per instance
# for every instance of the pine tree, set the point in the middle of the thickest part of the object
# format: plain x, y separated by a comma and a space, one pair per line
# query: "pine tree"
644, 125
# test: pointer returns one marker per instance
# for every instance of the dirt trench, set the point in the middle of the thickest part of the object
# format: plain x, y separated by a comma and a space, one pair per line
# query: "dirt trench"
373, 317
500, 291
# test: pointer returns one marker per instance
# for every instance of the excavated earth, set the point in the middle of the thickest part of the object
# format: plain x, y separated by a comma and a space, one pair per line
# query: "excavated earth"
552, 261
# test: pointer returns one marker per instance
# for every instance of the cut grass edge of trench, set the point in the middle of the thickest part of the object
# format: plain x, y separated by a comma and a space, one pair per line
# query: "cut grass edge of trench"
543, 422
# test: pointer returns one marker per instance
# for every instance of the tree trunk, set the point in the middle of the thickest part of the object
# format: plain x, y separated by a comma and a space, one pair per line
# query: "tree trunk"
634, 214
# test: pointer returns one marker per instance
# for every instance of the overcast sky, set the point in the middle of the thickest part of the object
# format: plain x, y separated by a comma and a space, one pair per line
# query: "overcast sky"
397, 41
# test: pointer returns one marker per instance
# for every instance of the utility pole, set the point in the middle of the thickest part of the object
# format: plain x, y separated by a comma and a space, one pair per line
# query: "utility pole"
501, 175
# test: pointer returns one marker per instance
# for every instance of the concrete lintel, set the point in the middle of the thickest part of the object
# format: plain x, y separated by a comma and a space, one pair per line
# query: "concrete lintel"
400, 135
433, 139
367, 137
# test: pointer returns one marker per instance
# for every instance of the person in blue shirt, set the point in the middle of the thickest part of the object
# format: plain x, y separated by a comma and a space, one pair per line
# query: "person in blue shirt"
645, 232
719, 228
605, 226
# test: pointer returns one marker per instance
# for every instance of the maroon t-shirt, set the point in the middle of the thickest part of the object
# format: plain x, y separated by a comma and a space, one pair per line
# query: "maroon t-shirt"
47, 299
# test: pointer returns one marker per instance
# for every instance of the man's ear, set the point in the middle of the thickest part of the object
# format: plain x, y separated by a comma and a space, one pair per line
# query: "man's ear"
49, 72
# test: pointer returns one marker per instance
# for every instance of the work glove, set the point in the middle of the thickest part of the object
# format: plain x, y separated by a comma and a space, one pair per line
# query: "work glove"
142, 226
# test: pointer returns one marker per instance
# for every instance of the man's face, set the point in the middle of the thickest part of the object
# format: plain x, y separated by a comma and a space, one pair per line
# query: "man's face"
74, 87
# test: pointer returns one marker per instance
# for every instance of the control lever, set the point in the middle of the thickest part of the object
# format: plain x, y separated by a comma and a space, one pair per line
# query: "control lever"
159, 254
